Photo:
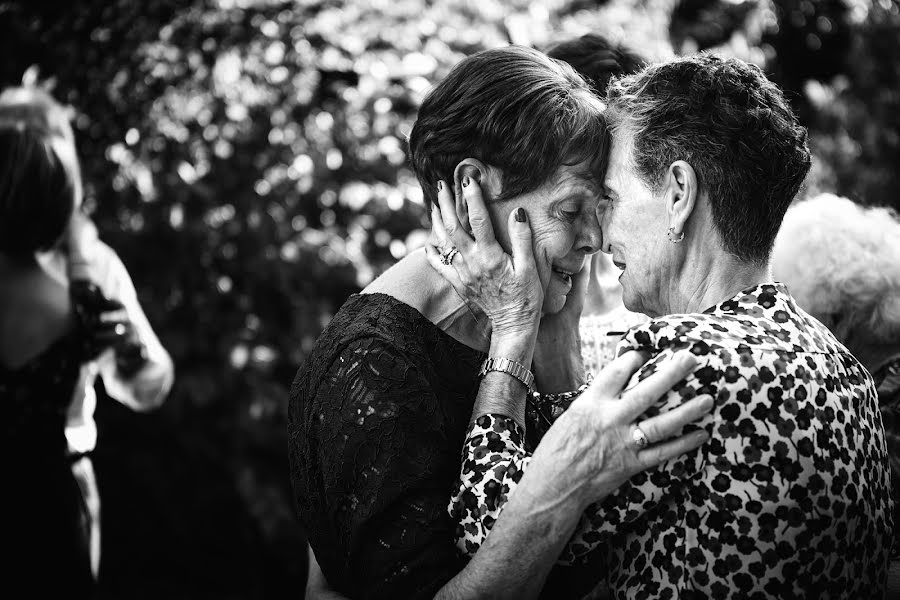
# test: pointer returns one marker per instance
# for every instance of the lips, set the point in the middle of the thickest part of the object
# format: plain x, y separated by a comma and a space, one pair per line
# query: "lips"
562, 274
565, 272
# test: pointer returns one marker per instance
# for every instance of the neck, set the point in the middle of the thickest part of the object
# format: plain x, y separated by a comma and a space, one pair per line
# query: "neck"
713, 279
413, 281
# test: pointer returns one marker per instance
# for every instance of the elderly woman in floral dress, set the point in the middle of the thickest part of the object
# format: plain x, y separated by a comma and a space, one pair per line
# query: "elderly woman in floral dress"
790, 497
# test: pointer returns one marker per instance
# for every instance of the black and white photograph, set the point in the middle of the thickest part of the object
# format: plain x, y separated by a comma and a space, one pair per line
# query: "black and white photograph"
450, 299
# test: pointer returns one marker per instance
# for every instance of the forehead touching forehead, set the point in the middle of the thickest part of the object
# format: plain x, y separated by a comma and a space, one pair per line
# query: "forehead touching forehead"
621, 163
583, 176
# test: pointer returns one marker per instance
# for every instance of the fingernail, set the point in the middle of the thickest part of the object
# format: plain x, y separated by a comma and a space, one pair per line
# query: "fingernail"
466, 181
706, 403
688, 360
520, 215
440, 186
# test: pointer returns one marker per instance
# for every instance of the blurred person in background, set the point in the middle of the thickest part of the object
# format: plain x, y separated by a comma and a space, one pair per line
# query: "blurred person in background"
49, 331
379, 409
135, 368
841, 261
598, 59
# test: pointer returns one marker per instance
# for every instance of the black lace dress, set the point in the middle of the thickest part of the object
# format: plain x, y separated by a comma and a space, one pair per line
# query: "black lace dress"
377, 417
45, 530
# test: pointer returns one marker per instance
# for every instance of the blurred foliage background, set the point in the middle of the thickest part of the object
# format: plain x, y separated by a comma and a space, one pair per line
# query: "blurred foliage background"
247, 160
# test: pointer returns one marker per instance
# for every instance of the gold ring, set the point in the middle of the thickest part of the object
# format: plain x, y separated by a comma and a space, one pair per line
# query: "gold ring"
448, 256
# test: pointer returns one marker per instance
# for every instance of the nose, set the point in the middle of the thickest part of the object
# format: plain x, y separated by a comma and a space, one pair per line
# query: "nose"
602, 216
590, 238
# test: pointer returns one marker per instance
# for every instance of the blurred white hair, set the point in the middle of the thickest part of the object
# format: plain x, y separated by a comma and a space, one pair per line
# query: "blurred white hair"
841, 262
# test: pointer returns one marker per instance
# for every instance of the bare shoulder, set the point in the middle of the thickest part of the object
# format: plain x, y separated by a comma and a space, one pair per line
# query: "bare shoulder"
35, 311
412, 281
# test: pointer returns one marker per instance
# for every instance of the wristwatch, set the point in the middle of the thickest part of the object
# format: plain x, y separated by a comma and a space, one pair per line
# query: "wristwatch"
509, 366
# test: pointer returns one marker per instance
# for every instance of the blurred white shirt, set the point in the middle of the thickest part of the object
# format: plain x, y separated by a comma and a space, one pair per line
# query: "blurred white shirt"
145, 391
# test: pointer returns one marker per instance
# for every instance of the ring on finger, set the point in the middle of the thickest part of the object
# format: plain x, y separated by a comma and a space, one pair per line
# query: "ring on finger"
448, 255
639, 438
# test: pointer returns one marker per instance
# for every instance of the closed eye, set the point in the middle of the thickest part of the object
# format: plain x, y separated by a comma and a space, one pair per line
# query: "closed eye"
569, 211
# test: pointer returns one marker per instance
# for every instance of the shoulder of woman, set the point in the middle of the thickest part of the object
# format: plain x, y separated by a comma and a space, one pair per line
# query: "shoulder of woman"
352, 371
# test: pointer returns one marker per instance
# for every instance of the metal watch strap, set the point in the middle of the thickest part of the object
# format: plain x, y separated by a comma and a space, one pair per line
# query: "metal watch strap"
510, 367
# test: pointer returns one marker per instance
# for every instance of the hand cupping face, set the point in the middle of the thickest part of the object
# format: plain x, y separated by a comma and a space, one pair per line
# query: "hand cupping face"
505, 287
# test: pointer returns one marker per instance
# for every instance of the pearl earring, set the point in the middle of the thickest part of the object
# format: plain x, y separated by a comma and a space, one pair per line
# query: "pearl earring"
670, 233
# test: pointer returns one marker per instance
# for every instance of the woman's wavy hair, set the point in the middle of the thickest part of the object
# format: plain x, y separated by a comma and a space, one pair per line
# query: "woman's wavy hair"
732, 125
515, 109
37, 191
841, 262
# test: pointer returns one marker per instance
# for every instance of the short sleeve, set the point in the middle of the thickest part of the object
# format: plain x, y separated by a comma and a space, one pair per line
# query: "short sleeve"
371, 475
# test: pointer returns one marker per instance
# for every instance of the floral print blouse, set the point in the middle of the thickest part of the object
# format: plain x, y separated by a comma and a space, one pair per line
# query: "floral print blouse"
789, 498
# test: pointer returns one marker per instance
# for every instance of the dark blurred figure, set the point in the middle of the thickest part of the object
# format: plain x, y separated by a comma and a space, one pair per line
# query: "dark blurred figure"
68, 313
841, 261
597, 59
47, 333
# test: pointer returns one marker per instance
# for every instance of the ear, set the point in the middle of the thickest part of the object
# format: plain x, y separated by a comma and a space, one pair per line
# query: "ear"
487, 177
682, 194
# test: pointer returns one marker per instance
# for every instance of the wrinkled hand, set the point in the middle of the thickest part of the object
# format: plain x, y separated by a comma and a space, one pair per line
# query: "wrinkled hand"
589, 451
506, 288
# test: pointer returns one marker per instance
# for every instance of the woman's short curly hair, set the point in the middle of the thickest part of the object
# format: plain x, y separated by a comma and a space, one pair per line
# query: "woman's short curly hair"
732, 125
841, 262
37, 191
515, 109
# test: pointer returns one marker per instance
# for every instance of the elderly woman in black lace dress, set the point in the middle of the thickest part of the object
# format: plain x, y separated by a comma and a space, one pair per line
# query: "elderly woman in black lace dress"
379, 410
790, 497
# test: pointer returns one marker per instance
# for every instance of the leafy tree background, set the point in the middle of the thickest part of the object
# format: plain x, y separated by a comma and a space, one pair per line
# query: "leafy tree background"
247, 160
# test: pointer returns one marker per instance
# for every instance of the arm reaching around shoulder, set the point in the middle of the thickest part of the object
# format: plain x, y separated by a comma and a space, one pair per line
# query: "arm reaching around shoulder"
587, 454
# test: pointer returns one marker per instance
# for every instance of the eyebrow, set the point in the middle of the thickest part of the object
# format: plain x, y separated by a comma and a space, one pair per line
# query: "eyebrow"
571, 181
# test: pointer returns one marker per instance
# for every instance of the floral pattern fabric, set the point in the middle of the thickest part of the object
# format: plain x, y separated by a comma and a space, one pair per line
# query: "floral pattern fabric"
600, 336
790, 497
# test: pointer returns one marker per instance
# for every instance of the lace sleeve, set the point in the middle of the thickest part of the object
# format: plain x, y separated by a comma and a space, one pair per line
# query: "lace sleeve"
367, 467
